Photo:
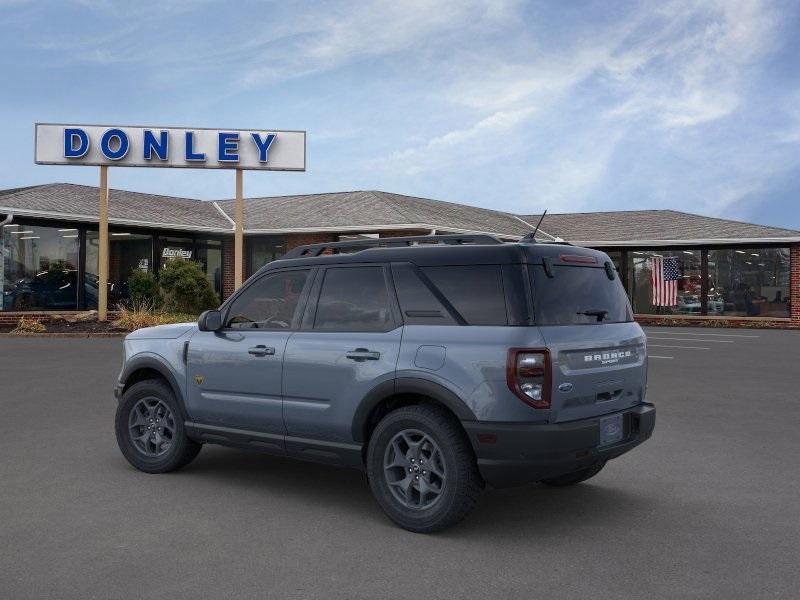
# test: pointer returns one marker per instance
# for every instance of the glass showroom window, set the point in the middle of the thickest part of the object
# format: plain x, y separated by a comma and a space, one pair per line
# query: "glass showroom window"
39, 268
666, 281
128, 252
209, 255
261, 250
748, 282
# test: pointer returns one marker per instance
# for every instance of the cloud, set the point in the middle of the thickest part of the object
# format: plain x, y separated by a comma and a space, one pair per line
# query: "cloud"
328, 39
465, 146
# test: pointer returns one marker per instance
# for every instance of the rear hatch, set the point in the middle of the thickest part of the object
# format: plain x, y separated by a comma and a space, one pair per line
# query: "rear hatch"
597, 351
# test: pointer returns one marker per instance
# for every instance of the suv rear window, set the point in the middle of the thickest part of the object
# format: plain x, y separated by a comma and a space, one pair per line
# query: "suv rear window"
578, 296
476, 292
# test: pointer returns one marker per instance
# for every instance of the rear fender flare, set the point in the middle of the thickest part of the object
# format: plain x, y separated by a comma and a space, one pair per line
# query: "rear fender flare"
408, 385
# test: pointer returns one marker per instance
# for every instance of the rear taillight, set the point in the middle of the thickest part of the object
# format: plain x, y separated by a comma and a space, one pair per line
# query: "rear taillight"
528, 375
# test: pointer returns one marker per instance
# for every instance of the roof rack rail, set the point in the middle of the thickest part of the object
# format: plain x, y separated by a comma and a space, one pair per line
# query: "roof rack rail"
312, 250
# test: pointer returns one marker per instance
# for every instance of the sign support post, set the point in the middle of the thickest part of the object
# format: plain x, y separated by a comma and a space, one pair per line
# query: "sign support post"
103, 254
238, 253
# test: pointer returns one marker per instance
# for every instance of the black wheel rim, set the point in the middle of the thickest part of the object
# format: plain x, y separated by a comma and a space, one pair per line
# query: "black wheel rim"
414, 470
151, 426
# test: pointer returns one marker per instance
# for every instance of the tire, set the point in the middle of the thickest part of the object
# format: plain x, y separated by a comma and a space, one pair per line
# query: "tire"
451, 482
575, 477
166, 447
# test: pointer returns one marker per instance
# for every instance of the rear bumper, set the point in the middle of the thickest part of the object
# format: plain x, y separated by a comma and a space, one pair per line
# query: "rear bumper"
525, 452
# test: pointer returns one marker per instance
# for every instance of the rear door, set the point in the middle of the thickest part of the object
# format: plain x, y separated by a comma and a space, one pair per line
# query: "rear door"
596, 349
348, 344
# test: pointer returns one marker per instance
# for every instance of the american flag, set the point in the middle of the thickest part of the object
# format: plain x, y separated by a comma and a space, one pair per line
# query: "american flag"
664, 279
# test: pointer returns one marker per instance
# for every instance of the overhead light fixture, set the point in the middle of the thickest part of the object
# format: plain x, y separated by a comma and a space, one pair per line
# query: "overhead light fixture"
12, 225
21, 232
754, 254
741, 252
688, 252
30, 237
120, 234
747, 262
74, 235
68, 230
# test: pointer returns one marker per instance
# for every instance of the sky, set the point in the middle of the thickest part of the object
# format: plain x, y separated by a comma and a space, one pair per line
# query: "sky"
566, 105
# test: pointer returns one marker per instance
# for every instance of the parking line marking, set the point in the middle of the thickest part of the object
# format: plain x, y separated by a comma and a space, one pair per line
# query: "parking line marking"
654, 356
736, 335
672, 339
689, 347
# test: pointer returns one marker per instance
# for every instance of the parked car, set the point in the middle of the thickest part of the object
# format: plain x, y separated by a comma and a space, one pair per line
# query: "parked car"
435, 364
50, 289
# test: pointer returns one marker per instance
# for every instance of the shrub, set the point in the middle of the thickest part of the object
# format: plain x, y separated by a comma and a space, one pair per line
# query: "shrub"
28, 325
139, 315
185, 288
143, 289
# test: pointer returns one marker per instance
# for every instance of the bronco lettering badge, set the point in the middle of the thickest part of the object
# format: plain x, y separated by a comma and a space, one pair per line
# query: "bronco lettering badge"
610, 357
198, 379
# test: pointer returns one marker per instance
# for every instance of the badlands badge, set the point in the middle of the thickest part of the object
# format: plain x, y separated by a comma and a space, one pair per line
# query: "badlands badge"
198, 379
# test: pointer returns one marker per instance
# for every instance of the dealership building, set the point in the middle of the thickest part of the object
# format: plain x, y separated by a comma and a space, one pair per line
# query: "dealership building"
726, 270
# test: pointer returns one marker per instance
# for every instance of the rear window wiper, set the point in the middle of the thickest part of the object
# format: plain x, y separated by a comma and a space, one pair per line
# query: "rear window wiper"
592, 312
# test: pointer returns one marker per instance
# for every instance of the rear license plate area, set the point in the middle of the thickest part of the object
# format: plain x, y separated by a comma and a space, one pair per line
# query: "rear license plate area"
611, 430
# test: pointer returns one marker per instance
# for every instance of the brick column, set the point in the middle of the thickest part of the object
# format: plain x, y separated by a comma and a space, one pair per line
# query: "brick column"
228, 267
794, 283
301, 239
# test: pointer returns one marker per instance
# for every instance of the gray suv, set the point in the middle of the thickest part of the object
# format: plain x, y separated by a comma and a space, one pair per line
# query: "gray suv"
435, 364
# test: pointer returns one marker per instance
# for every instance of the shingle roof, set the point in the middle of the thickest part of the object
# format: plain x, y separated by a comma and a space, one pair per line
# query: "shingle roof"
371, 209
374, 210
634, 226
71, 202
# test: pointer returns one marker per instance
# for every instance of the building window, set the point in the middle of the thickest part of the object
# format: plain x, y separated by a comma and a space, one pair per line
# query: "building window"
264, 249
666, 281
748, 282
209, 255
128, 252
39, 268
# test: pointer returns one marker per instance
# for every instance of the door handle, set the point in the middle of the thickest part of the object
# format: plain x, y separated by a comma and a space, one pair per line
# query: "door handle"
362, 354
261, 350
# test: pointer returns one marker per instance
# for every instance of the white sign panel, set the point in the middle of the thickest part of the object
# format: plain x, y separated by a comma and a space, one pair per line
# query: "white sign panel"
123, 146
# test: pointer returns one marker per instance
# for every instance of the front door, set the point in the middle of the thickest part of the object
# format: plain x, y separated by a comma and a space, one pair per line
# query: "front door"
234, 375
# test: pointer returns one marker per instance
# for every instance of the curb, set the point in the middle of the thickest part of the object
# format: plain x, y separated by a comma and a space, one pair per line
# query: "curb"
64, 335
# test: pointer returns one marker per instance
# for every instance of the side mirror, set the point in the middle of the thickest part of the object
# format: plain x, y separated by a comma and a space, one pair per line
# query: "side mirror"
210, 320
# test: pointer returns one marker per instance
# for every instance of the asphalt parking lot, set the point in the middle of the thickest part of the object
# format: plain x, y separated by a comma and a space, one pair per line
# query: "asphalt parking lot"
708, 508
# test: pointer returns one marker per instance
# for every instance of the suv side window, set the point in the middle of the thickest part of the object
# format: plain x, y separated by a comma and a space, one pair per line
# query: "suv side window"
269, 303
354, 299
475, 291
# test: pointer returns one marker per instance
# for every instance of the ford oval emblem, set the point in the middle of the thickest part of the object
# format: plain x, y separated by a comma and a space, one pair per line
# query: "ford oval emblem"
565, 387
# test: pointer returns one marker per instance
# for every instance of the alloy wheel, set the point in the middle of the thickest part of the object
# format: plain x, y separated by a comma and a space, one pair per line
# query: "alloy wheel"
414, 470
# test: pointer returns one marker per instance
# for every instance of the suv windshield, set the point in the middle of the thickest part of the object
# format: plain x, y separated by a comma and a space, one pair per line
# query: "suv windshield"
578, 295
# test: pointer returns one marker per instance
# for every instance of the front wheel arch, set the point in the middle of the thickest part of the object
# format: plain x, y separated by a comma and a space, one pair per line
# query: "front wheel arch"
149, 368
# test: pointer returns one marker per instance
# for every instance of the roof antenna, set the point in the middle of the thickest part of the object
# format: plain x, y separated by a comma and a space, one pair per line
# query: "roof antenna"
532, 236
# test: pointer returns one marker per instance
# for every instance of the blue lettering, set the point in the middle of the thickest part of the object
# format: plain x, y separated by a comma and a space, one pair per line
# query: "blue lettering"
228, 142
190, 153
70, 137
159, 146
122, 144
263, 145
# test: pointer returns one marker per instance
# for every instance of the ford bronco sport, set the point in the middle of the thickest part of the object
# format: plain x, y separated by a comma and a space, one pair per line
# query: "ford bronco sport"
436, 364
